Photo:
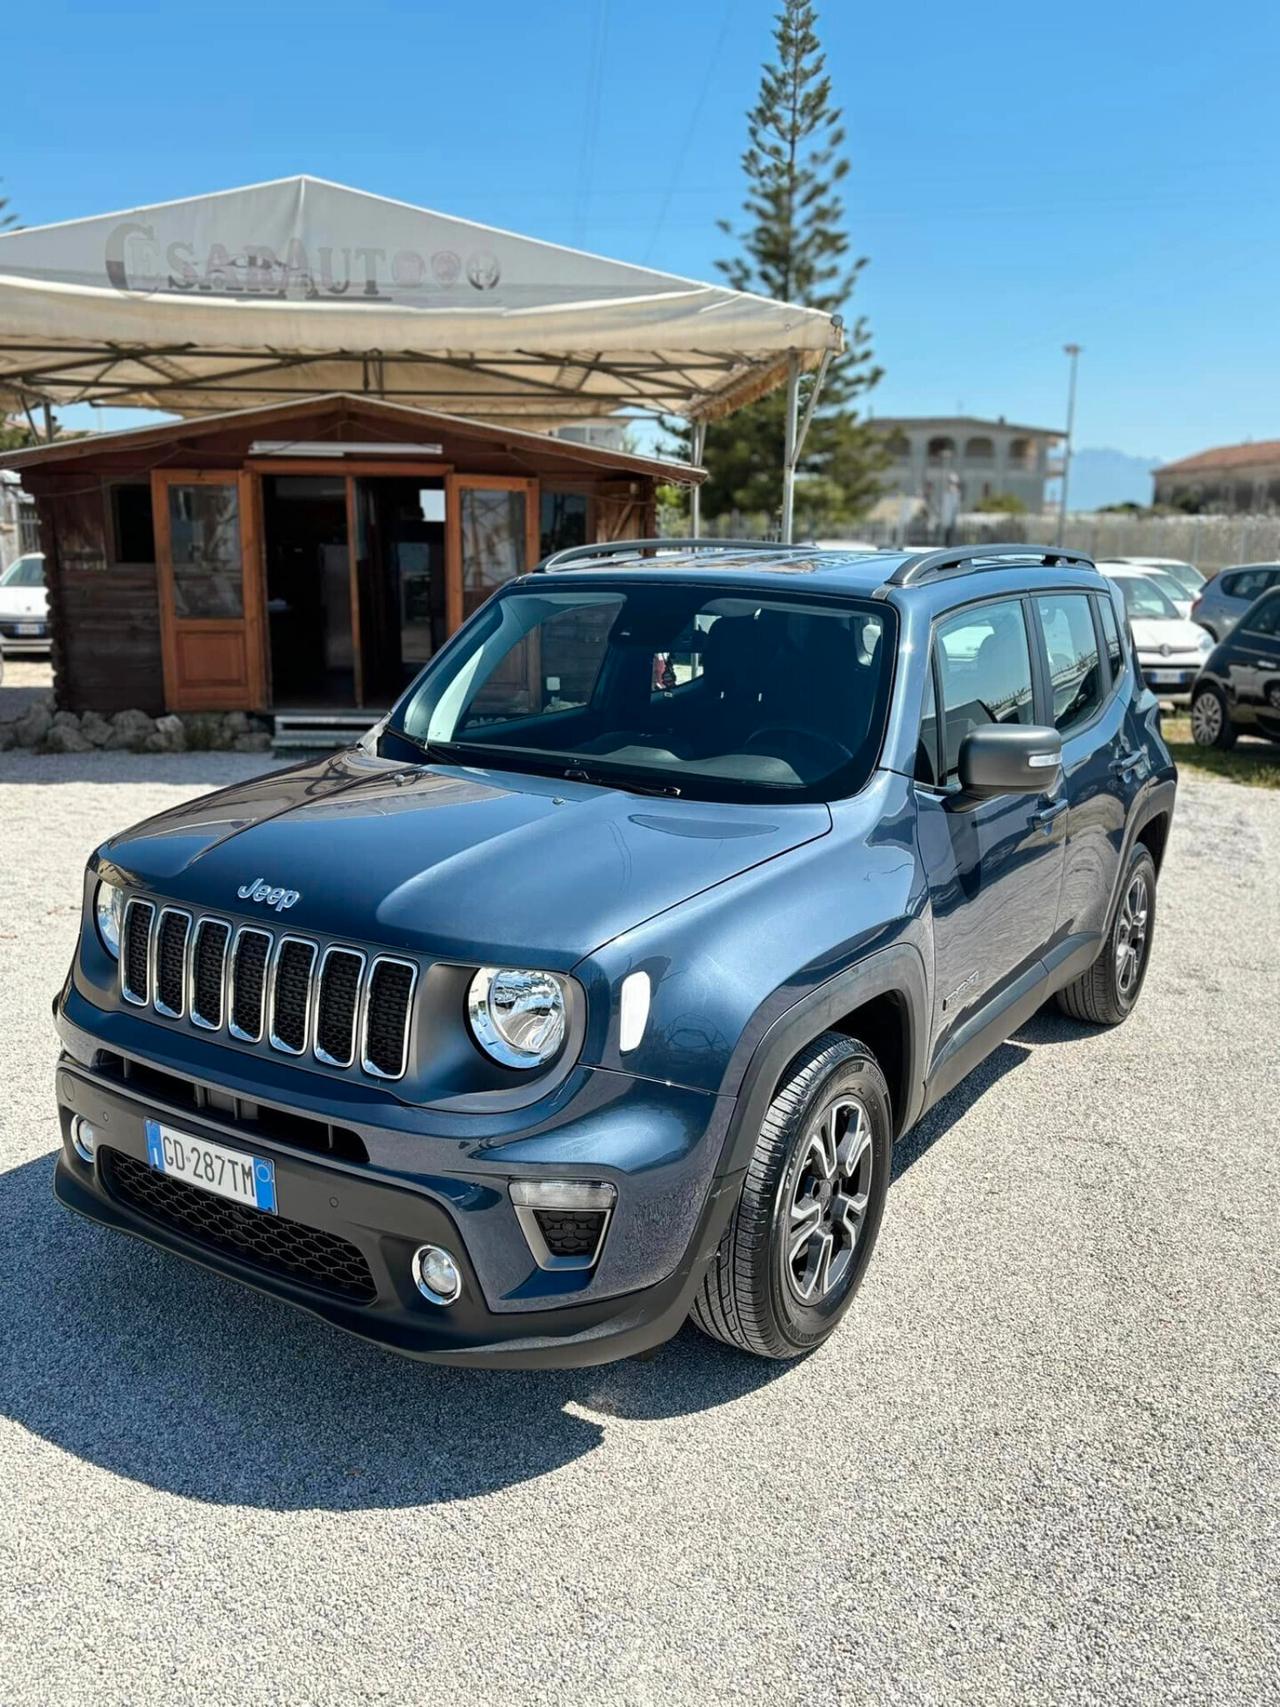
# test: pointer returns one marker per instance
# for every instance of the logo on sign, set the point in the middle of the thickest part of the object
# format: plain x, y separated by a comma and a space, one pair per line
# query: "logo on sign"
270, 896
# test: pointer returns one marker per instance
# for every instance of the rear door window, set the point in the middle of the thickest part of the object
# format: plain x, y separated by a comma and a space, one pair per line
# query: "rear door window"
1075, 667
984, 662
1111, 633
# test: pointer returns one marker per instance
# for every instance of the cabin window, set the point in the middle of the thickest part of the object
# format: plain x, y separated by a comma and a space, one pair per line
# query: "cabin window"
133, 537
562, 521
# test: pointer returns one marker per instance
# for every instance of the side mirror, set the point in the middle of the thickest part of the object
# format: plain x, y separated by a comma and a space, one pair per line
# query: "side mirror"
1010, 758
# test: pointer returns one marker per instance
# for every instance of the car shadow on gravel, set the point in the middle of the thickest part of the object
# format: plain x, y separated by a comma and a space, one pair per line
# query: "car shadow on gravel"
159, 1371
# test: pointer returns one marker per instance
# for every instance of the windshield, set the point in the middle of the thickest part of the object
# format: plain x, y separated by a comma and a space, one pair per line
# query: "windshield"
1171, 588
1142, 597
673, 688
25, 571
1186, 575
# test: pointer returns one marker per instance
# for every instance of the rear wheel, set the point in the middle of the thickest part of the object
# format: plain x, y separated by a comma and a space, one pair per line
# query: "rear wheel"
1210, 720
802, 1233
1107, 992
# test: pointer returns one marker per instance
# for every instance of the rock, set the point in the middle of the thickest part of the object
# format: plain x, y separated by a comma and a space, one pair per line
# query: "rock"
172, 732
237, 723
136, 725
260, 743
66, 738
65, 720
33, 726
6, 737
95, 728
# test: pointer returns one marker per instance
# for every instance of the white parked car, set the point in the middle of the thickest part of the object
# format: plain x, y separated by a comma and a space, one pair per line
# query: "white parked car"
1186, 575
1168, 584
1171, 648
24, 606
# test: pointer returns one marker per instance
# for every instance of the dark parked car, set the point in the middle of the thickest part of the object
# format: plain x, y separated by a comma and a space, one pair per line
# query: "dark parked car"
1239, 687
586, 994
1228, 596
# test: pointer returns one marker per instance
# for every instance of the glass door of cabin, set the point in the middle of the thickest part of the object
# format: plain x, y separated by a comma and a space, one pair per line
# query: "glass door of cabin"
210, 586
492, 536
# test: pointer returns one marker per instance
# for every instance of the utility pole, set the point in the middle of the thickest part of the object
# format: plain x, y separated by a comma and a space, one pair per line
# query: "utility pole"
1072, 352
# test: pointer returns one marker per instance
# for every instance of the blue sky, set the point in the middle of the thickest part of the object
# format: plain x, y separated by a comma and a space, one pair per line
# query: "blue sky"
1022, 175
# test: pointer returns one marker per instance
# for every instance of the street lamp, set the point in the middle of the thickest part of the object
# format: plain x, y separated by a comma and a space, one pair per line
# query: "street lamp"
1072, 352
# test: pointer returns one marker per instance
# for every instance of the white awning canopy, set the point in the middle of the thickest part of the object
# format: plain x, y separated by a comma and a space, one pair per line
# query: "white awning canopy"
301, 287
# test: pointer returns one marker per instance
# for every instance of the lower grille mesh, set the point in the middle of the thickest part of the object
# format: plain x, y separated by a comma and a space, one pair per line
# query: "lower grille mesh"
306, 1254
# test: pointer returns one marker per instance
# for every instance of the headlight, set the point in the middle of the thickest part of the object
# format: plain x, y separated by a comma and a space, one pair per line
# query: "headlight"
1205, 642
517, 1016
108, 909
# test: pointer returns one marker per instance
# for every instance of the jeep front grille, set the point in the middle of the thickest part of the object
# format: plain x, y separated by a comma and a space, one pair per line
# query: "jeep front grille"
343, 1006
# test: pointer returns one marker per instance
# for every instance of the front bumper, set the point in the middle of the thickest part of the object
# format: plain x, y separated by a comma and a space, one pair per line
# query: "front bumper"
510, 1312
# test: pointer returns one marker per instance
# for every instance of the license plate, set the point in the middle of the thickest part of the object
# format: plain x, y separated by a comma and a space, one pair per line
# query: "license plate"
250, 1180
1171, 678
28, 628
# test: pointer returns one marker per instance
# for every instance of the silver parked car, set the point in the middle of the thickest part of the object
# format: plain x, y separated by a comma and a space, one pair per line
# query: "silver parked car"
1228, 596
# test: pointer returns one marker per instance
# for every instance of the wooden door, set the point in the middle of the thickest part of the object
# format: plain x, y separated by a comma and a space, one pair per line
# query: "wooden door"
208, 554
491, 537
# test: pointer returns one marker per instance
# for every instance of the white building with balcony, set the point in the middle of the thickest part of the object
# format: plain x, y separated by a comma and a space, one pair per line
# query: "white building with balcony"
968, 457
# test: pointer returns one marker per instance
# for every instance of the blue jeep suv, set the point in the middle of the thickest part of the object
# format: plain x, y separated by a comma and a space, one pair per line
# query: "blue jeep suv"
592, 988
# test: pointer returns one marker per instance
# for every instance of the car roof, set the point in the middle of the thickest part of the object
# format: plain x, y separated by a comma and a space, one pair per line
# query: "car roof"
885, 573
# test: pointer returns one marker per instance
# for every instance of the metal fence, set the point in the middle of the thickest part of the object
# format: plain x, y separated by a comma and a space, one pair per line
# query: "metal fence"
1210, 542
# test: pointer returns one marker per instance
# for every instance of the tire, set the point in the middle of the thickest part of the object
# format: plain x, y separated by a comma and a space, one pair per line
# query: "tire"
1211, 724
821, 1160
1107, 993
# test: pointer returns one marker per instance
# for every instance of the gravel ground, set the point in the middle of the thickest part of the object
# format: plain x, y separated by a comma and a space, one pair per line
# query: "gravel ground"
1038, 1464
26, 677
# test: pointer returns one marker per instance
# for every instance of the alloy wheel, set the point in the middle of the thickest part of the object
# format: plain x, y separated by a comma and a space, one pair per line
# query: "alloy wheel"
828, 1201
1206, 720
1131, 935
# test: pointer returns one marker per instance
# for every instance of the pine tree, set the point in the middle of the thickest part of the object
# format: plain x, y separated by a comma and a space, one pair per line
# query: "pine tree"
794, 247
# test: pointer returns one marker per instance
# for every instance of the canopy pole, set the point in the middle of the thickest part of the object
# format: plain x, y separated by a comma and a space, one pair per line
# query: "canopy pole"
796, 432
789, 448
698, 446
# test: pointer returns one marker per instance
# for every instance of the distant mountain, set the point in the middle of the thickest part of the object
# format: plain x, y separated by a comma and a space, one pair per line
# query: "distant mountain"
1101, 477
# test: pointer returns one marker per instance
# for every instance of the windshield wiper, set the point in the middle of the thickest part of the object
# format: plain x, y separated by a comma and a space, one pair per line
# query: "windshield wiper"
629, 784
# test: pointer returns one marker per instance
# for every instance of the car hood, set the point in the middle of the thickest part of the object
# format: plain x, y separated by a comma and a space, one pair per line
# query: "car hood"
1153, 632
457, 863
22, 603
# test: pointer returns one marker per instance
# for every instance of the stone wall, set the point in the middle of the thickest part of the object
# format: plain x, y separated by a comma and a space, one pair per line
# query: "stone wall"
45, 729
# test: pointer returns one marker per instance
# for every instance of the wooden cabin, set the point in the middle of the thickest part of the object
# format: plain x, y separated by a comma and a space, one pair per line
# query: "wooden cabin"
309, 556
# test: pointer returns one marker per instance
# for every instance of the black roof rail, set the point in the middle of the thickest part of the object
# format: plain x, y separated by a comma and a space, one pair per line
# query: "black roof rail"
579, 556
966, 559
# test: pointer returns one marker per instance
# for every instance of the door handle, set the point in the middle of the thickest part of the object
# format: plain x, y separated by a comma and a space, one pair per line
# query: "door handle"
1049, 815
1126, 762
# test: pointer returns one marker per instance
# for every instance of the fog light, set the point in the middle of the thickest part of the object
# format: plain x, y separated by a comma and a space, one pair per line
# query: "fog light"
84, 1140
436, 1275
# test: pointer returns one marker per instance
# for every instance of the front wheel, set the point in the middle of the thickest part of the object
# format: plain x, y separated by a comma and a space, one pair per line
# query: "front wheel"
1107, 992
1211, 721
801, 1236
